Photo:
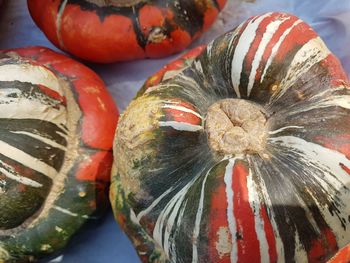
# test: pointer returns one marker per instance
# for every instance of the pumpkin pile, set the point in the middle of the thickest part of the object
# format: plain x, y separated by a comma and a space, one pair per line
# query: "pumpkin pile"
118, 30
239, 152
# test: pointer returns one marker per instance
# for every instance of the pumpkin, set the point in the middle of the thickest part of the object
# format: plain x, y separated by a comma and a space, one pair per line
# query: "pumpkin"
57, 123
115, 30
239, 152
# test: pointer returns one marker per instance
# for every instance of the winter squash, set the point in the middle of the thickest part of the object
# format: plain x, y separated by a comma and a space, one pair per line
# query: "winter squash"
241, 154
119, 30
57, 123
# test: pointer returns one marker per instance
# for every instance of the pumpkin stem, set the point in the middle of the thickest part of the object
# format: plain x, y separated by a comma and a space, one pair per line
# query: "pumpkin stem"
236, 126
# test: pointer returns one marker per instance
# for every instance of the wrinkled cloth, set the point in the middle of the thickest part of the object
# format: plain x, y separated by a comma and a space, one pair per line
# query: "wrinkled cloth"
103, 241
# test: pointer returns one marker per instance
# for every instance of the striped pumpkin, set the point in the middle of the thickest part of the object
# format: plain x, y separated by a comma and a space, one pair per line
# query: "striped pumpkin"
57, 123
119, 30
240, 153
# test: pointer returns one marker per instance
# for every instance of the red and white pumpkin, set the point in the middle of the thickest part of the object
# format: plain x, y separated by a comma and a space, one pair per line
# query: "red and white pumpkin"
240, 154
118, 30
57, 123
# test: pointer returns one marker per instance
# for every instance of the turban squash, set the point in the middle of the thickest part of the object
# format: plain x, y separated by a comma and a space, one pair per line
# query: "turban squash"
57, 123
118, 30
239, 152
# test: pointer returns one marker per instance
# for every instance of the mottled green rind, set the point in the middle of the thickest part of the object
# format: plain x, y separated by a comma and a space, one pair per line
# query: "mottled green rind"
144, 244
47, 230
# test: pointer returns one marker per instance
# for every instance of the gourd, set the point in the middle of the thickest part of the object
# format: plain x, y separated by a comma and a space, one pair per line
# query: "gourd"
240, 153
57, 123
114, 30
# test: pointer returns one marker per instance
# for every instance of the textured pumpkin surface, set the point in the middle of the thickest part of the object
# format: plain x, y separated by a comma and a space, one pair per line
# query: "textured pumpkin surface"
239, 152
109, 31
343, 255
57, 123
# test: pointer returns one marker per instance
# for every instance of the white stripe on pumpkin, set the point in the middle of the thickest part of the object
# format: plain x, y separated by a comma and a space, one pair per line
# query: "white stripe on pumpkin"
254, 202
342, 101
300, 254
243, 46
277, 46
26, 159
42, 139
181, 108
10, 173
178, 229
166, 212
230, 217
59, 23
181, 126
271, 29
285, 128
37, 75
64, 211
153, 205
20, 107
197, 224
307, 56
265, 195
32, 109
314, 157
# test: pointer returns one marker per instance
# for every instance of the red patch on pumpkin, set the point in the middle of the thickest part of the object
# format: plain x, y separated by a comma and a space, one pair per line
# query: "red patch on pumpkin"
247, 240
217, 221
345, 168
179, 115
335, 70
259, 33
209, 17
44, 14
320, 248
343, 255
221, 3
340, 143
152, 20
273, 41
295, 40
96, 168
106, 47
95, 102
53, 94
270, 235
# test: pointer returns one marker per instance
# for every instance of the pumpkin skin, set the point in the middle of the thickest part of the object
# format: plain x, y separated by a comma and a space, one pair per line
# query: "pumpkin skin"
343, 255
57, 123
123, 30
181, 196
